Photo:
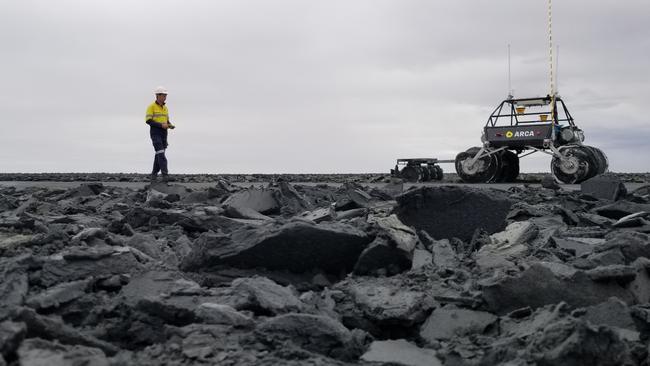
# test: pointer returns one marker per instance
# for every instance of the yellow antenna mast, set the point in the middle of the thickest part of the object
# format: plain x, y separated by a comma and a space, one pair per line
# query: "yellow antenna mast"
553, 91
550, 46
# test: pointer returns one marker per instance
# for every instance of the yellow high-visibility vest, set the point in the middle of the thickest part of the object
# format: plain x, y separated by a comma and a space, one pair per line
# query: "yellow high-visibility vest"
157, 113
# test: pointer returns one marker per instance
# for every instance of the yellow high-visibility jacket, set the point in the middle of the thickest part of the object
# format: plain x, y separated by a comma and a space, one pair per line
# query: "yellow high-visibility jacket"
158, 113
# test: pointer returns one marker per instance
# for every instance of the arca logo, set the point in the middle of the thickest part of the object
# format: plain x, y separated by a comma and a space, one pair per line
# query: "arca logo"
510, 134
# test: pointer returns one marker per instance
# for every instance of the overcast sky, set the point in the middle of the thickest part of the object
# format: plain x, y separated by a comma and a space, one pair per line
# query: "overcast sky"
307, 86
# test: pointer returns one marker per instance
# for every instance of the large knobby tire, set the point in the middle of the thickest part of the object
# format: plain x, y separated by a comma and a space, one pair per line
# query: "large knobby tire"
601, 160
483, 170
439, 173
425, 174
410, 174
576, 168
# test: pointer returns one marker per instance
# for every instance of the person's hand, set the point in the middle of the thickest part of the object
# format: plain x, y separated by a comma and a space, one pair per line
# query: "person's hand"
164, 126
171, 126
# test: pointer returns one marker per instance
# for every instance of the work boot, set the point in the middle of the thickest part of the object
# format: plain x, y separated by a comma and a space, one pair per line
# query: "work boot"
165, 178
152, 178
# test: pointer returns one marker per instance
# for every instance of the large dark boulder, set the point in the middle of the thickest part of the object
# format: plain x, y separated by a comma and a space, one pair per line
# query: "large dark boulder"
604, 186
315, 333
450, 211
82, 263
295, 246
541, 285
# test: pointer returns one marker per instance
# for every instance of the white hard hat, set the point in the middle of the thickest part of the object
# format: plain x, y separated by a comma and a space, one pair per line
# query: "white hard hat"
160, 90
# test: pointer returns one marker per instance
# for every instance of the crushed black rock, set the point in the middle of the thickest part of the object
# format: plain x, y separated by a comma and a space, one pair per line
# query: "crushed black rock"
297, 274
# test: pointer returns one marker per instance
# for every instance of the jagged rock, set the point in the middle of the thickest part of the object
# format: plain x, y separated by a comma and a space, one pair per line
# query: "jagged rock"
613, 313
640, 286
58, 295
315, 333
154, 283
264, 201
376, 304
608, 257
573, 342
635, 219
85, 190
295, 246
261, 295
292, 201
141, 216
87, 235
519, 232
449, 322
54, 329
245, 213
59, 268
619, 273
147, 244
39, 352
349, 214
507, 246
11, 335
170, 189
421, 258
446, 212
604, 186
400, 352
632, 245
589, 219
548, 181
392, 249
317, 216
212, 313
576, 247
444, 255
393, 188
157, 199
13, 288
538, 286
620, 209
357, 195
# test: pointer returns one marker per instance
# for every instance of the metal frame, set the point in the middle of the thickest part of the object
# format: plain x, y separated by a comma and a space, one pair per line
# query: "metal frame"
514, 117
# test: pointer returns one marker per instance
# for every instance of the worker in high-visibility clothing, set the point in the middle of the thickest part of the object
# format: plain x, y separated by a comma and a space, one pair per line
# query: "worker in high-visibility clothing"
158, 118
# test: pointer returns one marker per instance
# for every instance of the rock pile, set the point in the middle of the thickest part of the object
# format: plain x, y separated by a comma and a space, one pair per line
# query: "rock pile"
317, 275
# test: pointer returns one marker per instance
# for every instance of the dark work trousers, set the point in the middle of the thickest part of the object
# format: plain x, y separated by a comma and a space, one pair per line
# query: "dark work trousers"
159, 140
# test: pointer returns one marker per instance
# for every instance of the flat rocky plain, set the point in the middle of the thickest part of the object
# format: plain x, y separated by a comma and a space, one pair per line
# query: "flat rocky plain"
291, 274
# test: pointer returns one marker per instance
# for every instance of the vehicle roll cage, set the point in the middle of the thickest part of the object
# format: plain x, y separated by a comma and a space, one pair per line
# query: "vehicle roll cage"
519, 116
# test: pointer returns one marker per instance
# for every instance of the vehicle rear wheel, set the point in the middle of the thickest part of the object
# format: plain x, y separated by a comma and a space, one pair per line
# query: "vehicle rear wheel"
600, 159
576, 167
410, 174
483, 170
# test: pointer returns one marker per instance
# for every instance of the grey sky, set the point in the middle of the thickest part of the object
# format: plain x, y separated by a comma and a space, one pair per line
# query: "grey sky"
299, 86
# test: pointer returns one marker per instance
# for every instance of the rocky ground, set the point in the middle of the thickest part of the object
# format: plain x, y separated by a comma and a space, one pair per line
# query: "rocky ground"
268, 178
321, 275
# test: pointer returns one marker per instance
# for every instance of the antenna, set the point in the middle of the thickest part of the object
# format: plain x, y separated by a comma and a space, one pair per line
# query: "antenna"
510, 91
557, 68
550, 47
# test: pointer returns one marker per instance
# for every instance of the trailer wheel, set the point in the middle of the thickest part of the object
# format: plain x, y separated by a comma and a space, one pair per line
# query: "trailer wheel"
425, 174
482, 170
577, 166
410, 174
439, 173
